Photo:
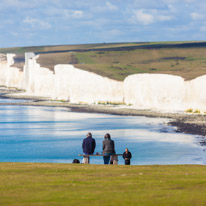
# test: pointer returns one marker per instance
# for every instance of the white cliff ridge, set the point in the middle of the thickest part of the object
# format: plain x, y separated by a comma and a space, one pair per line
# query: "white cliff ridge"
80, 86
154, 91
143, 91
10, 76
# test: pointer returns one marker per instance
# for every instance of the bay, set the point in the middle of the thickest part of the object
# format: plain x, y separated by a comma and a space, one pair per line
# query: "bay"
52, 134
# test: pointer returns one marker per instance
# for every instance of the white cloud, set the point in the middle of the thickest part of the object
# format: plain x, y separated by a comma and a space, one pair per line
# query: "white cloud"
172, 8
37, 23
143, 17
111, 6
65, 13
149, 16
72, 13
197, 16
103, 7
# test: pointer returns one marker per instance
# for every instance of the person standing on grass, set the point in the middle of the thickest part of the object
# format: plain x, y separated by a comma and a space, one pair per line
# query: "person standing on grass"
108, 148
88, 145
127, 156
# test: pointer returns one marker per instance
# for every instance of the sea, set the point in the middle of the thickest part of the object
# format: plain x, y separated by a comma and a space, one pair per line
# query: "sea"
54, 135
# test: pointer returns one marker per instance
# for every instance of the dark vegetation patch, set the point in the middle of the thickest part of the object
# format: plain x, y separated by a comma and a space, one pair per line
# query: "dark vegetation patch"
124, 47
134, 47
102, 47
19, 58
19, 61
173, 58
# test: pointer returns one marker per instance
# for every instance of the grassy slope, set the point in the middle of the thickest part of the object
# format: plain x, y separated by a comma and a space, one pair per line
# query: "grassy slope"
117, 61
69, 184
188, 63
177, 58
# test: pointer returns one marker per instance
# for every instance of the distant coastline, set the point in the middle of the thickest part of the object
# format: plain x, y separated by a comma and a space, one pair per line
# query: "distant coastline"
184, 123
164, 78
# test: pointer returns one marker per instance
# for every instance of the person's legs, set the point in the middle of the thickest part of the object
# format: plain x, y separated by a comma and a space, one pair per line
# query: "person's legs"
86, 159
127, 162
106, 159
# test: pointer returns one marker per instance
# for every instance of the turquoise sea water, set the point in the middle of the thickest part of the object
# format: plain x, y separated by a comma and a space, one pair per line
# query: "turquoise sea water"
48, 134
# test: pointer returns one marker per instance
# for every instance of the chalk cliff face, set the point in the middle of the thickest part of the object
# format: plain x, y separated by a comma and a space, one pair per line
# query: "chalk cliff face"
65, 83
195, 95
10, 76
165, 92
85, 87
39, 81
154, 91
143, 91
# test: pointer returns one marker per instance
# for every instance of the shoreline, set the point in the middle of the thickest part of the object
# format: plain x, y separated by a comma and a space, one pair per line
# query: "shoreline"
185, 123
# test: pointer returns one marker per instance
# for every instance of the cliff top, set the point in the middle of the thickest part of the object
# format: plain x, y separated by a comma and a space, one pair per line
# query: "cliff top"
118, 60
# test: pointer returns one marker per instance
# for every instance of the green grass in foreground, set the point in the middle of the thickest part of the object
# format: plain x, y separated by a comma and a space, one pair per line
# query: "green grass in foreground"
26, 184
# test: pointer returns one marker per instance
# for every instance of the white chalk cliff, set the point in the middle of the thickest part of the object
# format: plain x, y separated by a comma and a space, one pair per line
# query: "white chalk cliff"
142, 91
154, 91
79, 86
10, 76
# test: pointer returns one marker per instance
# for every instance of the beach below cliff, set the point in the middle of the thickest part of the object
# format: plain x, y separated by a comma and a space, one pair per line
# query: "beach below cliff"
184, 122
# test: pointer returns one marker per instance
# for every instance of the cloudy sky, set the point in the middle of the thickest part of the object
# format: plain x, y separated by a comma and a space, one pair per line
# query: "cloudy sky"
54, 22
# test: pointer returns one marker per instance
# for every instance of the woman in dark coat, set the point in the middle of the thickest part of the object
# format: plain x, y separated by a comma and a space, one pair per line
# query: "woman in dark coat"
127, 156
108, 148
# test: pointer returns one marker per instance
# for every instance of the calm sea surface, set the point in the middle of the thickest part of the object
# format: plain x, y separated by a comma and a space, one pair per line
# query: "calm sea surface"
48, 134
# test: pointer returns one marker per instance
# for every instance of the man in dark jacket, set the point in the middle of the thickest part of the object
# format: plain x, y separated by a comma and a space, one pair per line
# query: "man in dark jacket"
127, 156
88, 145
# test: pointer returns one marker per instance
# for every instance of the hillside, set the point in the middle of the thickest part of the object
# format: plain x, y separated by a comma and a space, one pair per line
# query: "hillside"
118, 60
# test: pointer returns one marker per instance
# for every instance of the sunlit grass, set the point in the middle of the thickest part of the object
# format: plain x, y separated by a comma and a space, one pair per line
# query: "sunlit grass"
76, 184
187, 63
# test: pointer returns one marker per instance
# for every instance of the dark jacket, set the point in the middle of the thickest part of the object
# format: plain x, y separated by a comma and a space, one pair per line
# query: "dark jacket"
108, 146
127, 157
88, 145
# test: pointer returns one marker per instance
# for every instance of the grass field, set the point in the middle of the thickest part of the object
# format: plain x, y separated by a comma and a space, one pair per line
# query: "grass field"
118, 60
23, 184
188, 63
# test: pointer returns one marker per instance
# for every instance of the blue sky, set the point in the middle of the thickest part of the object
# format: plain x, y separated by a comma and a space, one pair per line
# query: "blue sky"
56, 22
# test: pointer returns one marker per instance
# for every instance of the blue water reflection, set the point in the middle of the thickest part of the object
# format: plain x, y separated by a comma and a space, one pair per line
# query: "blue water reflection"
47, 134
5, 100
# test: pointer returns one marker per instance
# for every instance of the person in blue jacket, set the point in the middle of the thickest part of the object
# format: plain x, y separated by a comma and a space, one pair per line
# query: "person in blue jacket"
88, 144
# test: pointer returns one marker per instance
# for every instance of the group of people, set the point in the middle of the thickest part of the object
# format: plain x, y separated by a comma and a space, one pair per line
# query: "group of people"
89, 145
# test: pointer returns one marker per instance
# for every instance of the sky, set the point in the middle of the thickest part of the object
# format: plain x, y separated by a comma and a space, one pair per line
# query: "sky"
60, 22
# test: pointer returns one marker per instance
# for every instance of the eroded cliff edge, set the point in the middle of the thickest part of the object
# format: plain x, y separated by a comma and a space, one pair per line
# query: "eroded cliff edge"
140, 91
